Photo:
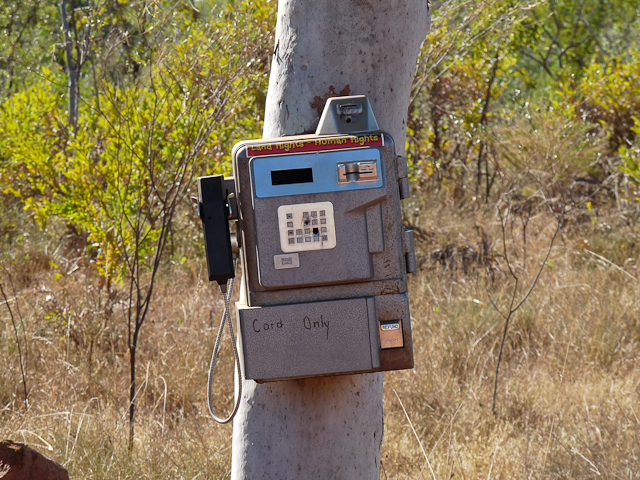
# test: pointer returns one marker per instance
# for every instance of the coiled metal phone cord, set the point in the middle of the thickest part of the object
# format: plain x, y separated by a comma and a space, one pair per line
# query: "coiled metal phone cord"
226, 318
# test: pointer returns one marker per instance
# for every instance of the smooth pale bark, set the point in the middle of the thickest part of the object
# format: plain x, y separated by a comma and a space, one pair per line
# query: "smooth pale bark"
328, 427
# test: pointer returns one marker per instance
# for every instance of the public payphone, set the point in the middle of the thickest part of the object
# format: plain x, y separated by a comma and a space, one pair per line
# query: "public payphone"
323, 253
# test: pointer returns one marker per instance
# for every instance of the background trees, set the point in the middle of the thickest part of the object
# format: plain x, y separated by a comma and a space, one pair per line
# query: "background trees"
148, 88
484, 69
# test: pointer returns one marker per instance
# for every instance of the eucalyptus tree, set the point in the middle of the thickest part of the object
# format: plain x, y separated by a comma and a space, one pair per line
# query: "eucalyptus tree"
328, 427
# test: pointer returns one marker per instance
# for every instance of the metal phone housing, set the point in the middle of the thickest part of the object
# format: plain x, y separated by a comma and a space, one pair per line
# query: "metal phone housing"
324, 255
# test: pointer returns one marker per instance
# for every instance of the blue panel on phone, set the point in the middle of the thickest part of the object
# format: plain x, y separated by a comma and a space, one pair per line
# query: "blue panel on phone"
277, 176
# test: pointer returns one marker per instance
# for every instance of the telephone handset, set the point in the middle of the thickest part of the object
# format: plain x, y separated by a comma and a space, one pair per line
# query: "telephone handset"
214, 208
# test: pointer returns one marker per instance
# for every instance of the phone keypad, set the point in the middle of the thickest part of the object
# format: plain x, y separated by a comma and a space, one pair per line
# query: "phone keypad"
313, 227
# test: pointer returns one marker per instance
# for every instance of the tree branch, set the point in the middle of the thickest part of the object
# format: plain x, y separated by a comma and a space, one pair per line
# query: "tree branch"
512, 309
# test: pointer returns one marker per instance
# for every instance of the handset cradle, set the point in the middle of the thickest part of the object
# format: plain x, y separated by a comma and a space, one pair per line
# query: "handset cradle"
213, 208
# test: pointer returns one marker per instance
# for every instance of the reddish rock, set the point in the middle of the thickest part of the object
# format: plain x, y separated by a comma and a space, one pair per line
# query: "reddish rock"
20, 462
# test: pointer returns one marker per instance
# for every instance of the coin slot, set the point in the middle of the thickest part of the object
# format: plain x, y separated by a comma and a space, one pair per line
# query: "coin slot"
349, 109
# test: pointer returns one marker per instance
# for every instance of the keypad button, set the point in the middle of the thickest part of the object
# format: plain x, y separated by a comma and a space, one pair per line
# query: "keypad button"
299, 239
307, 231
314, 222
314, 214
323, 221
298, 231
290, 233
292, 241
325, 237
322, 213
323, 229
289, 216
316, 238
289, 224
305, 215
307, 239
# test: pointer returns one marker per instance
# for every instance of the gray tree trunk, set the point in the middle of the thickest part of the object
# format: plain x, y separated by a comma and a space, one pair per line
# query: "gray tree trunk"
328, 427
72, 90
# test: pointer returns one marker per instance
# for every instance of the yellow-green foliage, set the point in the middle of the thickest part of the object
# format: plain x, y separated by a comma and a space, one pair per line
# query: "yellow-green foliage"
630, 155
138, 142
31, 139
463, 67
609, 94
608, 97
485, 67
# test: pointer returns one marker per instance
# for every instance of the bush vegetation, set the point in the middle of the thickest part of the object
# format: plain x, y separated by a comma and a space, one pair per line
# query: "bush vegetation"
525, 161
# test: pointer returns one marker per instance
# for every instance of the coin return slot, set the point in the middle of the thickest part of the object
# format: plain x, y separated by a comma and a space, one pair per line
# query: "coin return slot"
391, 334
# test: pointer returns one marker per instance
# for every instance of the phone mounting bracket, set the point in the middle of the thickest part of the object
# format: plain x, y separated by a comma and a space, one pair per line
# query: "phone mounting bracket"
347, 115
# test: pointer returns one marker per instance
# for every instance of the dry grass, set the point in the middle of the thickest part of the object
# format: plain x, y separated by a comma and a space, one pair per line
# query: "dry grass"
77, 371
568, 402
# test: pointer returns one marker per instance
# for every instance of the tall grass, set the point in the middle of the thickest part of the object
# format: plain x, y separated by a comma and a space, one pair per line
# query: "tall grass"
569, 393
77, 365
568, 396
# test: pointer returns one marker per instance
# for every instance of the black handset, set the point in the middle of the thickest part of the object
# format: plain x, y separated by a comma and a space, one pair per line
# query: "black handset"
214, 212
